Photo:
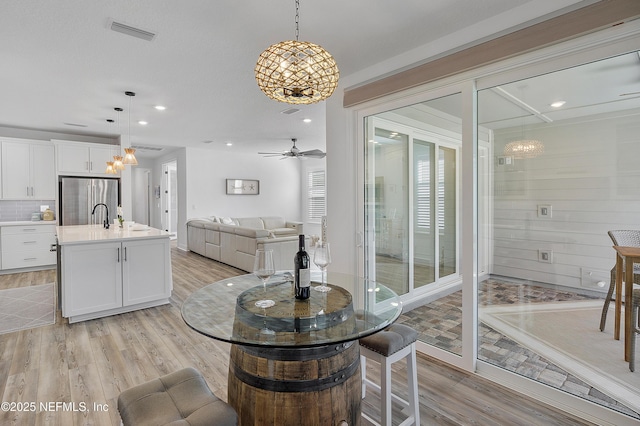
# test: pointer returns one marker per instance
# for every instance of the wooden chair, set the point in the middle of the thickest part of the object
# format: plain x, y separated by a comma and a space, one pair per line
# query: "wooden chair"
635, 323
624, 238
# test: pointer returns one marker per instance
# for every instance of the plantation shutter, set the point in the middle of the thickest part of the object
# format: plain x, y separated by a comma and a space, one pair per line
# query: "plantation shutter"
316, 195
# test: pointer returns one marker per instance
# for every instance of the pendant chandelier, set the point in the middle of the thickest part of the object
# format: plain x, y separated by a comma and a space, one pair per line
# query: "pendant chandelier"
297, 72
525, 148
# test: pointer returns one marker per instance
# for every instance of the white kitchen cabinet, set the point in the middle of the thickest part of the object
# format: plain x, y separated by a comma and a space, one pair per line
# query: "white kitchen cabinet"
27, 246
83, 158
28, 170
110, 277
145, 268
92, 276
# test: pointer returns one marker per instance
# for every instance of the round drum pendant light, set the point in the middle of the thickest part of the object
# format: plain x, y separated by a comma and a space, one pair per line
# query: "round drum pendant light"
297, 72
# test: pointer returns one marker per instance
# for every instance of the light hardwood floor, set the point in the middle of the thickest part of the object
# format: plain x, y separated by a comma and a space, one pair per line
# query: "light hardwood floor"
90, 363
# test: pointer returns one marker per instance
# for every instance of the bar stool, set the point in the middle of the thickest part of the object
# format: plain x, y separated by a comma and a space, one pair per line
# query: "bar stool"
393, 344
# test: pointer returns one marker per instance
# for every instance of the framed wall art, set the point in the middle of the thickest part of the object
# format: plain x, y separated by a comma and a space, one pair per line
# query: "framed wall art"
243, 187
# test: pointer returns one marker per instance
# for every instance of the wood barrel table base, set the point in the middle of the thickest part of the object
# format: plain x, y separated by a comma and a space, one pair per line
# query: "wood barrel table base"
296, 386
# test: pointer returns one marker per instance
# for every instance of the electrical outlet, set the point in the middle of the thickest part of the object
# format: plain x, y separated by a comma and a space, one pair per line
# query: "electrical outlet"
545, 256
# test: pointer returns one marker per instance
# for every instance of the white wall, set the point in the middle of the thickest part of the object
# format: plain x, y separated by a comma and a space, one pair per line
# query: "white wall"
341, 186
140, 191
206, 176
590, 177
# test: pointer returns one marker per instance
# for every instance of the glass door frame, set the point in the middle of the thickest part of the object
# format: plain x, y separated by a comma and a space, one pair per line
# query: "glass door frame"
604, 43
438, 141
467, 208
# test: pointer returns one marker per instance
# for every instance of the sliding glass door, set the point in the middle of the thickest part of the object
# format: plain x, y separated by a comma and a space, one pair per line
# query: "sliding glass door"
411, 215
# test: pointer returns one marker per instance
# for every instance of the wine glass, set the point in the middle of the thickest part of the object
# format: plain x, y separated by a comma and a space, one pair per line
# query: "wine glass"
264, 268
322, 257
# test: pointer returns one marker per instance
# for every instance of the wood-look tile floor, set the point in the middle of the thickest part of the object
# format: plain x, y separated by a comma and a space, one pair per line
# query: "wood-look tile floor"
71, 374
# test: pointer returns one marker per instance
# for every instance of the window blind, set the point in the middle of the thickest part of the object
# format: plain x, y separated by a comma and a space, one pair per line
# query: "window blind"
316, 195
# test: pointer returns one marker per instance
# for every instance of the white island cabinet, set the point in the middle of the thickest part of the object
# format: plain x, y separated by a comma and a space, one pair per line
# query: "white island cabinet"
107, 272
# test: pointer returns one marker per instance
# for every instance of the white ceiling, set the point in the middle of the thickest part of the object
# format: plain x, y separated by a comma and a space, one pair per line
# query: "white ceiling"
61, 64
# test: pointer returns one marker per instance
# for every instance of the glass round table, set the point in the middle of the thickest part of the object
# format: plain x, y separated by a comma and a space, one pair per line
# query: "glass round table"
296, 362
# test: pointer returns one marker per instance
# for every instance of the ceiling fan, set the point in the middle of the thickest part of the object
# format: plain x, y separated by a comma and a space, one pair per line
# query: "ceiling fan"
295, 152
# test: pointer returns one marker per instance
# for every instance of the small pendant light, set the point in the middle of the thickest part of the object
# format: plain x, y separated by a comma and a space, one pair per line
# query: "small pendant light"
129, 157
110, 170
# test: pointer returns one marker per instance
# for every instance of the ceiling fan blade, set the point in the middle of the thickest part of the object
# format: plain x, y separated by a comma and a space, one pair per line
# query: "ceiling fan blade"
315, 153
272, 153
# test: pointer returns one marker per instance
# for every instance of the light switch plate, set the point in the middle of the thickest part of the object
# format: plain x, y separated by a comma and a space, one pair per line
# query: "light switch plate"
545, 256
544, 211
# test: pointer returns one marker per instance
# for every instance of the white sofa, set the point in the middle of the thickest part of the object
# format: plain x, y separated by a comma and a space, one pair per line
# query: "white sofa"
234, 241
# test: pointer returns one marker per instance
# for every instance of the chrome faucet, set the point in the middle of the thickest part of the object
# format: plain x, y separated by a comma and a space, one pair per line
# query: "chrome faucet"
106, 222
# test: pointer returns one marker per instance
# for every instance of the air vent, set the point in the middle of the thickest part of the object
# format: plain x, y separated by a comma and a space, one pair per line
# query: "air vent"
119, 27
290, 111
147, 148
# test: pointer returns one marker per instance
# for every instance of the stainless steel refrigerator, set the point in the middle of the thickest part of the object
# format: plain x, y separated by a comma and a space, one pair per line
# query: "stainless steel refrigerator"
79, 195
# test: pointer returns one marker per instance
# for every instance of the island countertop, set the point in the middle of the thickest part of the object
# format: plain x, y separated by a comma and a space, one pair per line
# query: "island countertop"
87, 234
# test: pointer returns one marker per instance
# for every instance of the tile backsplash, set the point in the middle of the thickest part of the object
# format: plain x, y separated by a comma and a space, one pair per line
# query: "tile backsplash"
21, 210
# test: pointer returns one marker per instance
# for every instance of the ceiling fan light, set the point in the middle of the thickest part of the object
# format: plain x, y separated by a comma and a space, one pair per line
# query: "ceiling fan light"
129, 157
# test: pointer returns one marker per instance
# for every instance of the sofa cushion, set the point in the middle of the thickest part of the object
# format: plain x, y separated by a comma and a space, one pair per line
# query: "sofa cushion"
228, 221
278, 232
250, 222
196, 223
273, 222
251, 232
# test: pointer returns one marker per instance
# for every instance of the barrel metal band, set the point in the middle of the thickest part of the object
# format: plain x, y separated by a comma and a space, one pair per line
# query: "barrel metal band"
296, 354
297, 385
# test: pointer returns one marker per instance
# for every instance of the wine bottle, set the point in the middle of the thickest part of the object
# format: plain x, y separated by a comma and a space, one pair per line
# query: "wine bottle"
302, 276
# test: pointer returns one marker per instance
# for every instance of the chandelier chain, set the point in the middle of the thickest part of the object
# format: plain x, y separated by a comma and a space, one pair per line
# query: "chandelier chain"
297, 20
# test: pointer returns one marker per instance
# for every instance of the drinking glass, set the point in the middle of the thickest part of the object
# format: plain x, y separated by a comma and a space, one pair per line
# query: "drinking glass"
264, 268
322, 258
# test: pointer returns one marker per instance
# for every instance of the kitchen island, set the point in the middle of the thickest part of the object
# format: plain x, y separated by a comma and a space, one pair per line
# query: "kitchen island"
104, 272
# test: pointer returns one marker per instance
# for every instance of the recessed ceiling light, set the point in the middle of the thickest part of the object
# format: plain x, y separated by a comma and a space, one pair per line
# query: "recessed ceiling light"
142, 123
307, 120
558, 104
229, 144
160, 107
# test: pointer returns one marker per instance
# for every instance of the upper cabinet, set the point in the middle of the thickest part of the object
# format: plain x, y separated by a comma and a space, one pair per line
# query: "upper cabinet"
83, 158
28, 170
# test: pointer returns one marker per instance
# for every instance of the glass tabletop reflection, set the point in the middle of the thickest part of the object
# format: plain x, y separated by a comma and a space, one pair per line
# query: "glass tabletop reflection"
354, 308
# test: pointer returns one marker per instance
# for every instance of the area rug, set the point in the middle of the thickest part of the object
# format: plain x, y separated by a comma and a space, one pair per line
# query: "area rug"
26, 307
568, 334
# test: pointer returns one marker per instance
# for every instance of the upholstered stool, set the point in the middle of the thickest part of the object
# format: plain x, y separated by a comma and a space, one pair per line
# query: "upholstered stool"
180, 398
393, 344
